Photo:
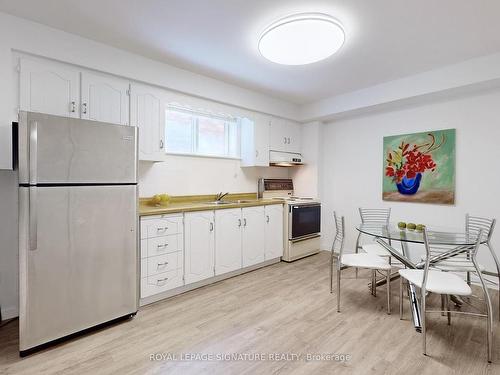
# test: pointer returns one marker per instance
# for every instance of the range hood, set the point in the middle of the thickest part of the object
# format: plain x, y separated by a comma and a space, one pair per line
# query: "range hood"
285, 159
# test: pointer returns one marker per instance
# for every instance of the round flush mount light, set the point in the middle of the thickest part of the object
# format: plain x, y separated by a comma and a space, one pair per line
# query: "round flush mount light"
301, 39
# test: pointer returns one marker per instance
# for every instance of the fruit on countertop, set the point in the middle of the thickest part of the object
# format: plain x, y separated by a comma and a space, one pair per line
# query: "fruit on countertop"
160, 199
411, 226
401, 225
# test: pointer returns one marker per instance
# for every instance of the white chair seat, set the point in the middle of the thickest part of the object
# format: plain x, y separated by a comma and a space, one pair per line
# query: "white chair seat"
375, 249
438, 282
365, 261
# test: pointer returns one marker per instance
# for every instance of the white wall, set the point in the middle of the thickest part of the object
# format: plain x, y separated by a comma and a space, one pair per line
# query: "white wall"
178, 176
352, 163
306, 177
184, 175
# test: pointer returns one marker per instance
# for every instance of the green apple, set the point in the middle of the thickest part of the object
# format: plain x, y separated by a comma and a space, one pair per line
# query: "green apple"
420, 227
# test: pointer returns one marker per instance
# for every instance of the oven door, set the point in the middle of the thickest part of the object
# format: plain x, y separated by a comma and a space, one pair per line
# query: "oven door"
304, 220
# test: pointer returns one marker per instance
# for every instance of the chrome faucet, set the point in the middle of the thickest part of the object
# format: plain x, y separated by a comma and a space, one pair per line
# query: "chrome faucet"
220, 195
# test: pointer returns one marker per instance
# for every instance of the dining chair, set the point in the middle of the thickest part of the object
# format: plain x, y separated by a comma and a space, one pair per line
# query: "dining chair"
435, 277
360, 260
474, 224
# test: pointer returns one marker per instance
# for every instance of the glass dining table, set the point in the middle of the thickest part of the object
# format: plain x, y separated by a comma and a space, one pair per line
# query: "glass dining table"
411, 256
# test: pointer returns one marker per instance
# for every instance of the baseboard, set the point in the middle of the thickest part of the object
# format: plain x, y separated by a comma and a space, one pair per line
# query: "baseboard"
10, 312
199, 284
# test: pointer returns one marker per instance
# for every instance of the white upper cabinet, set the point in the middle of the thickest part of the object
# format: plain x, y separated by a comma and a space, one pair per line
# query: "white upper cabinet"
285, 135
293, 131
255, 141
228, 224
49, 87
147, 112
278, 141
274, 231
253, 241
199, 246
104, 98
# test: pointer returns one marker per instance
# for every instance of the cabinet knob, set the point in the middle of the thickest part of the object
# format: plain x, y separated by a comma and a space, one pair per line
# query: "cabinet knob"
239, 222
211, 227
267, 218
72, 107
84, 108
161, 144
244, 222
284, 140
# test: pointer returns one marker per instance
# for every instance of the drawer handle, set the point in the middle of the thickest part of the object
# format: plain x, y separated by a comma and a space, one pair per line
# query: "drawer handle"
160, 246
160, 282
161, 229
162, 264
267, 218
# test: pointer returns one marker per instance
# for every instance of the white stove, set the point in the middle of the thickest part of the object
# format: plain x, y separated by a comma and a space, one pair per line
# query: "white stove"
302, 218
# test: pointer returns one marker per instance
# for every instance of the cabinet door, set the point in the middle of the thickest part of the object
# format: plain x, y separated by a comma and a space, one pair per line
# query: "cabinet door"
274, 232
199, 246
252, 237
278, 140
293, 134
261, 134
48, 87
228, 224
104, 98
147, 112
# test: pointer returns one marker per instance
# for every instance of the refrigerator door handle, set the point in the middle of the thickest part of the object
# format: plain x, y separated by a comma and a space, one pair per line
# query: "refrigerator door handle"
33, 152
33, 217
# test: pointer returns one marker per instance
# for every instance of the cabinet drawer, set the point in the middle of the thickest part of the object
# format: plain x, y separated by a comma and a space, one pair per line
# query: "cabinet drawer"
161, 282
165, 263
165, 244
161, 226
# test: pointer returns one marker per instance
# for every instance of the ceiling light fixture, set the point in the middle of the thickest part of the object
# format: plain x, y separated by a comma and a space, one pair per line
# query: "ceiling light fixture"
301, 39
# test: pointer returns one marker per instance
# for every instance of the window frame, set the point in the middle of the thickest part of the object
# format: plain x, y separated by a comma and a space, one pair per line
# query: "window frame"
196, 115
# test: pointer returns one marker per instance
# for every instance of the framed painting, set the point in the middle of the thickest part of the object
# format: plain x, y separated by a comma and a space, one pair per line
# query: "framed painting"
420, 167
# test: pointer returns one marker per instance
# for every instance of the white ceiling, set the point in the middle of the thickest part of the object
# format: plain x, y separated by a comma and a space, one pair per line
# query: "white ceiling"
385, 39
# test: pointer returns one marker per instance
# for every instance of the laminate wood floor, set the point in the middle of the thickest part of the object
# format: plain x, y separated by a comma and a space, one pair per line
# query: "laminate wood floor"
283, 308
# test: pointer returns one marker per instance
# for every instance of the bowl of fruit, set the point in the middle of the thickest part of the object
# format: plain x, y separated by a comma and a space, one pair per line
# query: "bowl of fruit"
160, 200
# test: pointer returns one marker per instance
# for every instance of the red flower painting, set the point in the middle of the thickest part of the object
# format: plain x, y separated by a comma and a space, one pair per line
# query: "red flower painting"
409, 160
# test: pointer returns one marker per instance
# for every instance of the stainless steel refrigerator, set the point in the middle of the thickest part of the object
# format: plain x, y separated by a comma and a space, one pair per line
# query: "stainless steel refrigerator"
78, 251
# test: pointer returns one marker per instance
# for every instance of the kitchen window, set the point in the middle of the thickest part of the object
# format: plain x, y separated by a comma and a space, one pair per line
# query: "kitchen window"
194, 133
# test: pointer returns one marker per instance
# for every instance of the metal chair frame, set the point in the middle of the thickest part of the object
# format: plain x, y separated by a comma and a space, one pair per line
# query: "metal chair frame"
433, 253
336, 254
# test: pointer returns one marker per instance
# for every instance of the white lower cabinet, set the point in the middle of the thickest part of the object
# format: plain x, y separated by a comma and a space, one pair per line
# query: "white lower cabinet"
252, 235
228, 224
182, 249
274, 236
199, 249
162, 253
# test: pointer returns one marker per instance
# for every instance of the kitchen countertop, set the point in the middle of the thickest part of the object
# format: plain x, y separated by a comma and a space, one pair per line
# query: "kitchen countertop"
189, 203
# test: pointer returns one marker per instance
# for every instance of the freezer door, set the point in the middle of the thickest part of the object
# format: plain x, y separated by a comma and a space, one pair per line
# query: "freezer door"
60, 150
78, 259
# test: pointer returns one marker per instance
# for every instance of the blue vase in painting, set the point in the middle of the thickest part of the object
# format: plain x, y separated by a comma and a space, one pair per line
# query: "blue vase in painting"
409, 186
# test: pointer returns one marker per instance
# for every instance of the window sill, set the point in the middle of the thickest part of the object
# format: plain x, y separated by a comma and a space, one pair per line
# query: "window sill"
203, 156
